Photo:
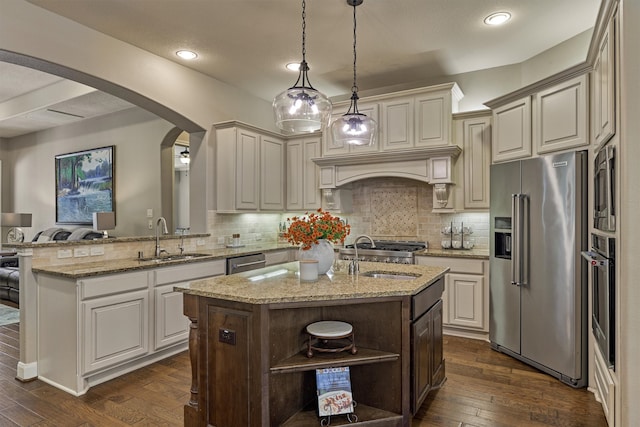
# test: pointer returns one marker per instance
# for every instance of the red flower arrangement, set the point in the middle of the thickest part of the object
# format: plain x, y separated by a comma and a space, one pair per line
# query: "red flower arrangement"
315, 226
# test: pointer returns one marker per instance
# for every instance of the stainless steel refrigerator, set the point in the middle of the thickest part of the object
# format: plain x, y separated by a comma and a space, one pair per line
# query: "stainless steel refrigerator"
538, 290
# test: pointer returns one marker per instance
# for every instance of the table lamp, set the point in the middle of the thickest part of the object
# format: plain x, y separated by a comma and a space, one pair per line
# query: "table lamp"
15, 221
103, 221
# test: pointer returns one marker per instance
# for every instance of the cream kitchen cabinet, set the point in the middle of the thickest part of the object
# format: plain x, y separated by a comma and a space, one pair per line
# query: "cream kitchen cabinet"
419, 118
512, 131
396, 127
303, 176
96, 328
332, 148
551, 119
473, 133
560, 116
250, 169
170, 326
603, 87
466, 295
433, 121
412, 119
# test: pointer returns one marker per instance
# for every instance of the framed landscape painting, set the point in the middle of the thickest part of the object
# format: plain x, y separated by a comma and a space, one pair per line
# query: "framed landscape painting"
84, 185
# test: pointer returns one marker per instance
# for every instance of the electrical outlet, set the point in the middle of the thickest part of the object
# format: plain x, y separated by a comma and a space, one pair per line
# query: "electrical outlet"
227, 336
149, 213
80, 252
150, 224
65, 253
97, 250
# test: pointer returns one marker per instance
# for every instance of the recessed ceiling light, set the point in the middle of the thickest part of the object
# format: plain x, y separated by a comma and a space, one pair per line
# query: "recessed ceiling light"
187, 54
497, 18
293, 66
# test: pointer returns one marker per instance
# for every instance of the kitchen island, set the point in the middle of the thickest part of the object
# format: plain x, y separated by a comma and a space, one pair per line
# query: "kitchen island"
247, 343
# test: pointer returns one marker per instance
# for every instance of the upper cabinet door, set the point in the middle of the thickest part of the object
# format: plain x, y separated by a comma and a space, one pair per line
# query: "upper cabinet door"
247, 169
396, 126
476, 142
512, 131
433, 119
604, 100
271, 173
561, 116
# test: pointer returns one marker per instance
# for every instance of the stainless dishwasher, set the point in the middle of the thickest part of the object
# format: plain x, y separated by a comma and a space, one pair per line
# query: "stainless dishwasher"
242, 263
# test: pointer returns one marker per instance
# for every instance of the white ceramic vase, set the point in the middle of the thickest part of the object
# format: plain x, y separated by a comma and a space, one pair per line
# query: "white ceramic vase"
322, 252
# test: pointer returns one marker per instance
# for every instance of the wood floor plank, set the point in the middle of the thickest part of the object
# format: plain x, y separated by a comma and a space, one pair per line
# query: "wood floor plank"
484, 388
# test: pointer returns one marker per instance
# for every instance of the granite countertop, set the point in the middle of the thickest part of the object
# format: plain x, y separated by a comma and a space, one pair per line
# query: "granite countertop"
455, 253
112, 266
281, 284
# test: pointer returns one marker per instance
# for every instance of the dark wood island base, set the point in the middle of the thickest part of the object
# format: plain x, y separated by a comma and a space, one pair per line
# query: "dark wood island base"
250, 367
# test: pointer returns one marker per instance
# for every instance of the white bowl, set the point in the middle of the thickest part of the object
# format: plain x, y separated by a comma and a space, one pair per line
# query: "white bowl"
457, 244
446, 244
467, 244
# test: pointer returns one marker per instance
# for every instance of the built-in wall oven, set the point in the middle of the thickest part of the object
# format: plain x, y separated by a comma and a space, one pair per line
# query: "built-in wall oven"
602, 260
604, 212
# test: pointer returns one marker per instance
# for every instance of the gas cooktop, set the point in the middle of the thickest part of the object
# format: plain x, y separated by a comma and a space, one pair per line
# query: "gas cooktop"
394, 251
392, 245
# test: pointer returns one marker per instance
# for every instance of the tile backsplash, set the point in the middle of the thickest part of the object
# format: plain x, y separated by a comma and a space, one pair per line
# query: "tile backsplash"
383, 208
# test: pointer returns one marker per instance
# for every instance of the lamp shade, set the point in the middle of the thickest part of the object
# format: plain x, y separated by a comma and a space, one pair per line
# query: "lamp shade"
301, 109
354, 129
15, 220
104, 221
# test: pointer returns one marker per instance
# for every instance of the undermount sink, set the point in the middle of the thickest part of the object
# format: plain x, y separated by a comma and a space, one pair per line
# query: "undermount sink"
166, 258
390, 275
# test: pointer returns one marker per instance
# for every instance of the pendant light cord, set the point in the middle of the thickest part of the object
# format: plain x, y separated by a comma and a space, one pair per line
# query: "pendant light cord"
304, 29
354, 88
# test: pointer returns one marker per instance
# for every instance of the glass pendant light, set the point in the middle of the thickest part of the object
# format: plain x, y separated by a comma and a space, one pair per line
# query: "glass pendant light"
354, 128
301, 108
185, 157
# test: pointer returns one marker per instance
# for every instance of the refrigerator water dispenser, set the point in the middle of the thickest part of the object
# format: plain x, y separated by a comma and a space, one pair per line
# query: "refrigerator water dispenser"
503, 245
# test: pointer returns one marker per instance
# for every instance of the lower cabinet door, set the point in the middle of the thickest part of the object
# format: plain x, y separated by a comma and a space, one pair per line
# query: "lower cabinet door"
171, 325
421, 354
115, 329
437, 349
466, 300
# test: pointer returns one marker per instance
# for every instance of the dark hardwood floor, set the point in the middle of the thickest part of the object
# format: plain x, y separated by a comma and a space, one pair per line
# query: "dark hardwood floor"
483, 388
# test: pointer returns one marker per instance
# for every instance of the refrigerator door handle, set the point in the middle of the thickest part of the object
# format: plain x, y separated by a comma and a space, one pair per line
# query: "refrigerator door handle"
517, 264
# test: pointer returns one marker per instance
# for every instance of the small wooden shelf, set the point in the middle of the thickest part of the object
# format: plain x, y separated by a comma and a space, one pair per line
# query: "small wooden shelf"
300, 362
367, 416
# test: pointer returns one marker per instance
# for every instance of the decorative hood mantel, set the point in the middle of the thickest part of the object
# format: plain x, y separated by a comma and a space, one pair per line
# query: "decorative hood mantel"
432, 165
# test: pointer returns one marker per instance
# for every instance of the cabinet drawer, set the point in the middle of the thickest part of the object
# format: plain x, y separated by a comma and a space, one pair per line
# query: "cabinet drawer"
113, 284
426, 298
191, 271
456, 265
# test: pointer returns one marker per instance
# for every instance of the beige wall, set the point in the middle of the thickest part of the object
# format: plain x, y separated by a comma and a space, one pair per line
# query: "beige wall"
136, 135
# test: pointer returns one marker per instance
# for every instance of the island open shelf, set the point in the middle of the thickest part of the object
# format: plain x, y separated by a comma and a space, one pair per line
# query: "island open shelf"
367, 417
300, 361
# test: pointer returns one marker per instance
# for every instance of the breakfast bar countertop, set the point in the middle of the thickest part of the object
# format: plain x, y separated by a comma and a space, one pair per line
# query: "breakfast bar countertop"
281, 283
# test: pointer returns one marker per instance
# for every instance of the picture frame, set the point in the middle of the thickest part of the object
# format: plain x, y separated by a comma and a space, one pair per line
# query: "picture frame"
84, 185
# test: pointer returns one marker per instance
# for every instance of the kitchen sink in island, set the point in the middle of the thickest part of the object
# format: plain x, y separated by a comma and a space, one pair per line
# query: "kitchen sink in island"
247, 343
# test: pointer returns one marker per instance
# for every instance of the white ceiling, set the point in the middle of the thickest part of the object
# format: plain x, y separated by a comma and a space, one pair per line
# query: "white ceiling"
246, 43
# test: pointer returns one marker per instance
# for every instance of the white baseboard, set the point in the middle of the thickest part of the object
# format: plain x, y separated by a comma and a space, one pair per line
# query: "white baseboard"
27, 371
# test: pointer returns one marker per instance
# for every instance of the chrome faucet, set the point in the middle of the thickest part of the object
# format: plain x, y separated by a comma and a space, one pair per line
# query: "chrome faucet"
183, 231
162, 221
354, 268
